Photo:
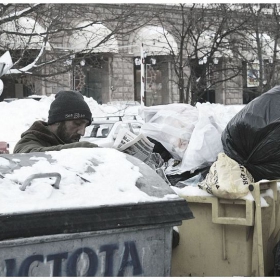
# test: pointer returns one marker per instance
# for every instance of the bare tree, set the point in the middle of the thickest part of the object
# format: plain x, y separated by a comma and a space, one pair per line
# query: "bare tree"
50, 40
35, 34
257, 46
204, 35
235, 36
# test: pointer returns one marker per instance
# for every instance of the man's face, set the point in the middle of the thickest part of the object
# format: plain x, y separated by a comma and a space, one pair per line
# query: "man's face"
71, 131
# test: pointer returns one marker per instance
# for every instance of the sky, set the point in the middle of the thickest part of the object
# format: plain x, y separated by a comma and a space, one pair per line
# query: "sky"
104, 187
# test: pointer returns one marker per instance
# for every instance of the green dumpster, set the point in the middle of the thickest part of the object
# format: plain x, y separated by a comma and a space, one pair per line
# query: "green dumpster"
128, 239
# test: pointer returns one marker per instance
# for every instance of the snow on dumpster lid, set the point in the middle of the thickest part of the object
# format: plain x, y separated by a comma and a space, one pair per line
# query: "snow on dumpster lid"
100, 189
89, 178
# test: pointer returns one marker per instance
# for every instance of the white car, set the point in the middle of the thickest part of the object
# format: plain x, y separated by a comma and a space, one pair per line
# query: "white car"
104, 131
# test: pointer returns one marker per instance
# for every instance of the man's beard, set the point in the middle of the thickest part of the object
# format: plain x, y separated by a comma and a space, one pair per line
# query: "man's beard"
64, 136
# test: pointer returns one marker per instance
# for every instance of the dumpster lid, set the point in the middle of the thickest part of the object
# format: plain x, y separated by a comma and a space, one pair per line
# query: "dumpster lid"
97, 189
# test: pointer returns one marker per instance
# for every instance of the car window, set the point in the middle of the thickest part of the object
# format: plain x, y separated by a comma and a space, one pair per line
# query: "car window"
98, 130
102, 130
122, 125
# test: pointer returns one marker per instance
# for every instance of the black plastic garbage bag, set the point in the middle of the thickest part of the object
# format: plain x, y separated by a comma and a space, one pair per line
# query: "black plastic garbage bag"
177, 178
252, 136
160, 149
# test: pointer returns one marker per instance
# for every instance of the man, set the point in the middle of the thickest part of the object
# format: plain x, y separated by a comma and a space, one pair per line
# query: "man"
69, 115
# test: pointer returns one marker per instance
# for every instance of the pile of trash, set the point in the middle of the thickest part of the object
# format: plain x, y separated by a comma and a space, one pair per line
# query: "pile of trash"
202, 145
188, 138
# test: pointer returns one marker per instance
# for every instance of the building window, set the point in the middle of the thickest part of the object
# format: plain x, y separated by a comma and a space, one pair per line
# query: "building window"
250, 81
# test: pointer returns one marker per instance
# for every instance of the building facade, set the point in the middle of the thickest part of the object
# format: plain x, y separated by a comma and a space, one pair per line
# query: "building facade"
111, 71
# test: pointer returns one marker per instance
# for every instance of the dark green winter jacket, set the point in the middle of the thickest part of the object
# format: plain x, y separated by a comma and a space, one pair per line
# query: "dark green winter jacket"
38, 138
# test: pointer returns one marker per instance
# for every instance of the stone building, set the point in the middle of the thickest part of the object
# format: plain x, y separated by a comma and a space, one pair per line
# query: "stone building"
112, 71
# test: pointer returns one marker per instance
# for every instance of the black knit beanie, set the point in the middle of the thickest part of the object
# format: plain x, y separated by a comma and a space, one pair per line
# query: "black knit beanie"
69, 105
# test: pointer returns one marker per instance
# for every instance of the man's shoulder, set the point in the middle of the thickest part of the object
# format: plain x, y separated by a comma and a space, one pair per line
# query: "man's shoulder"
37, 126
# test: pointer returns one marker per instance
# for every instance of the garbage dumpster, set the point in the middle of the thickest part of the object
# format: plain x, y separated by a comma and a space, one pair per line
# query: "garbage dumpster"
109, 239
230, 237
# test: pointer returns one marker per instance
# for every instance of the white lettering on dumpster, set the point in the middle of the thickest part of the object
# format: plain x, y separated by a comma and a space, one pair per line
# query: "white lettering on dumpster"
68, 262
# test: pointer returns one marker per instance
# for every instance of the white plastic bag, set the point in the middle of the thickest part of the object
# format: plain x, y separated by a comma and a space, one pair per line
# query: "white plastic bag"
205, 143
227, 179
204, 146
172, 126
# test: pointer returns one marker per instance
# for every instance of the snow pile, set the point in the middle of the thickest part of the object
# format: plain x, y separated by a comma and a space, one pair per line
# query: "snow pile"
19, 115
122, 108
96, 109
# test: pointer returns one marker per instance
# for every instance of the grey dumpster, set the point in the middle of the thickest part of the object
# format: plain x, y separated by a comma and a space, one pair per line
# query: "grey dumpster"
133, 239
